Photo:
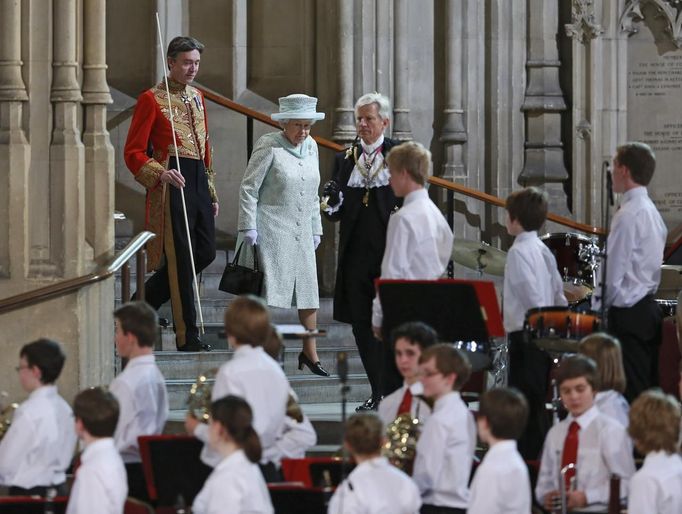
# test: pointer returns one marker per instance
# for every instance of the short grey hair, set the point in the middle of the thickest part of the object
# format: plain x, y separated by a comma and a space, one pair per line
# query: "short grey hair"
382, 102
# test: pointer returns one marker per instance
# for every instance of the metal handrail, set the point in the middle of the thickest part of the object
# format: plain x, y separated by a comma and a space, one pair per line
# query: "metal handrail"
436, 181
65, 287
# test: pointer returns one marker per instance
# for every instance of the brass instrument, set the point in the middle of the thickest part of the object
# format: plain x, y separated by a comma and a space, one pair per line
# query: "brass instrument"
561, 506
401, 445
6, 414
199, 401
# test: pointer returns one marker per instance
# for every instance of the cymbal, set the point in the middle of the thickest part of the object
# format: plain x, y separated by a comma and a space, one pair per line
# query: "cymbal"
671, 282
479, 256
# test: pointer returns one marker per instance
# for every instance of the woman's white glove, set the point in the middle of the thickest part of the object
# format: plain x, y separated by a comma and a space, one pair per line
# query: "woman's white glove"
316, 240
251, 236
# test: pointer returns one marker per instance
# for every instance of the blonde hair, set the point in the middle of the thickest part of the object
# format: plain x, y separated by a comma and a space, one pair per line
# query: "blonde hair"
364, 433
413, 158
655, 422
605, 351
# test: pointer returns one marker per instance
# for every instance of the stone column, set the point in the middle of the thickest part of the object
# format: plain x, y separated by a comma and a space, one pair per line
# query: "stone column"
14, 148
401, 118
174, 22
454, 133
67, 209
544, 102
505, 94
99, 153
344, 126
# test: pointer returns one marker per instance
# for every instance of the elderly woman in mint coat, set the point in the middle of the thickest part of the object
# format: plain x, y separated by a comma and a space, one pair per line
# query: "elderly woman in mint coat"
279, 210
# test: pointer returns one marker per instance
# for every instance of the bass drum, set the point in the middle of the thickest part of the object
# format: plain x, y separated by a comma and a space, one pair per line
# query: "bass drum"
575, 258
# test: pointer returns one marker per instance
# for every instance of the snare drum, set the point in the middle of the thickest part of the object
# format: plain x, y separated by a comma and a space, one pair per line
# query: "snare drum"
558, 329
575, 256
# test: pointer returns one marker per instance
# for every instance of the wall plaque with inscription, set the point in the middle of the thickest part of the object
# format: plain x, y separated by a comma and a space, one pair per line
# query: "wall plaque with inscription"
654, 98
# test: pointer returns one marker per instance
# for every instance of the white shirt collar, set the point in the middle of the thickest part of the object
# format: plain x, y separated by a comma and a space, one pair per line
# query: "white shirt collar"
586, 417
98, 446
635, 192
415, 195
369, 149
444, 400
504, 446
141, 359
527, 235
44, 391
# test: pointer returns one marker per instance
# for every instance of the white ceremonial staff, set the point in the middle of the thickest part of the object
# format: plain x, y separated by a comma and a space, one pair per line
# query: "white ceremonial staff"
164, 65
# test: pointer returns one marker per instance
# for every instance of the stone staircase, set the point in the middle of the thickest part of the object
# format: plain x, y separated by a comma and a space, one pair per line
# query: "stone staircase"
319, 397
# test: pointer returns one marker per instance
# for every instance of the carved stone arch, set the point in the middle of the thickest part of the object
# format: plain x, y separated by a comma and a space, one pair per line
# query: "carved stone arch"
668, 10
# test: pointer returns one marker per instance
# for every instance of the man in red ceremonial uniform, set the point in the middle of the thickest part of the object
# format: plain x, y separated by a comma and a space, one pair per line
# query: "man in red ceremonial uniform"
150, 156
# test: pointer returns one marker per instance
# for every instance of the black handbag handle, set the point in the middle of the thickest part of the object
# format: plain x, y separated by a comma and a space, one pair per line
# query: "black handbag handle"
255, 256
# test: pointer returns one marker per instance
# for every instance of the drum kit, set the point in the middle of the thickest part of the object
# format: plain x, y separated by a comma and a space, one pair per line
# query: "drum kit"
556, 330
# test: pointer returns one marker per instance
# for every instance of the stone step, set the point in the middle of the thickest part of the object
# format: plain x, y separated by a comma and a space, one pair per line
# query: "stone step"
176, 365
309, 388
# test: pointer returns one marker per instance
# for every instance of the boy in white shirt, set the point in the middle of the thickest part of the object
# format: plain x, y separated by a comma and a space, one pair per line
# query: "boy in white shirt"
501, 484
418, 238
409, 340
140, 389
445, 450
374, 486
253, 375
531, 279
40, 443
101, 484
655, 428
594, 443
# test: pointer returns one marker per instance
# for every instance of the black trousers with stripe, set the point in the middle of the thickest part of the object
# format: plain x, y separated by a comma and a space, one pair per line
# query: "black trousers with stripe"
174, 281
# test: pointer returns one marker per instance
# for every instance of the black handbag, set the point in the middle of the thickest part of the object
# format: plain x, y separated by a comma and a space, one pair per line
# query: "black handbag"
240, 280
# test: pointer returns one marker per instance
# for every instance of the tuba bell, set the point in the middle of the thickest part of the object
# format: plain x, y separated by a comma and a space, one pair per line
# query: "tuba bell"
402, 435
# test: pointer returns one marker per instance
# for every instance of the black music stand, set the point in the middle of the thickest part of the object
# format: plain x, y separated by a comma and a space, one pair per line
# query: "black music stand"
458, 310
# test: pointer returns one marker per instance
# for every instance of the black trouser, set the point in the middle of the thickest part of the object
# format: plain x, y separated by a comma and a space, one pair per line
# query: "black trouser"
137, 484
174, 280
638, 328
370, 351
391, 379
38, 490
529, 372
435, 509
271, 473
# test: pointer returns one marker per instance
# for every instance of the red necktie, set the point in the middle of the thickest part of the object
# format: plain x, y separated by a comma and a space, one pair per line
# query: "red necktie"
406, 404
570, 454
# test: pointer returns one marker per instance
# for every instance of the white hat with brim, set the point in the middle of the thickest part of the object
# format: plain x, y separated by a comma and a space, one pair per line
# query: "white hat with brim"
297, 107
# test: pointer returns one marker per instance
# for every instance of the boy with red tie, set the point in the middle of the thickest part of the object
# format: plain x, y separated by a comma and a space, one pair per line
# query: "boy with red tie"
409, 341
594, 443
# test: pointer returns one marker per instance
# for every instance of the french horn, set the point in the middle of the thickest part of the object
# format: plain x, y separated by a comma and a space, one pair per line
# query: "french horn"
402, 435
6, 413
199, 400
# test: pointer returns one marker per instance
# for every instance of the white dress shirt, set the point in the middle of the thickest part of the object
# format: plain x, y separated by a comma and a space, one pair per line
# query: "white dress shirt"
40, 442
604, 449
657, 487
635, 251
296, 439
531, 279
612, 403
445, 452
255, 376
388, 408
376, 487
143, 402
501, 484
418, 244
101, 484
236, 486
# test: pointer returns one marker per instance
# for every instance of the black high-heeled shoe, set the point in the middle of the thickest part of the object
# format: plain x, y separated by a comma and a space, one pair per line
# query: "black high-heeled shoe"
315, 367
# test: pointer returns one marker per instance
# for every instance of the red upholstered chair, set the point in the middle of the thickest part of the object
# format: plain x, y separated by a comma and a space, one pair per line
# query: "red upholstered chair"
30, 505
